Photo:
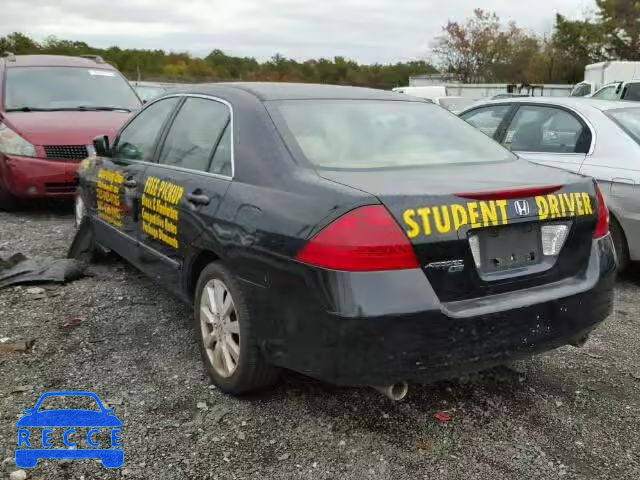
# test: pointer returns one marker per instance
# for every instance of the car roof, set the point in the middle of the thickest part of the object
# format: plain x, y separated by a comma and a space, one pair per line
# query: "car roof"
53, 61
267, 91
577, 103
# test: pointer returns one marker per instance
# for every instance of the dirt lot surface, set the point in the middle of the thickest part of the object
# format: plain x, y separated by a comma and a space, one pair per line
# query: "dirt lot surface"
572, 413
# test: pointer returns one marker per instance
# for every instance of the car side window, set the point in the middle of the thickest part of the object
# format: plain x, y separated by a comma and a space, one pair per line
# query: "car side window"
221, 163
138, 140
546, 129
606, 93
194, 134
632, 92
487, 119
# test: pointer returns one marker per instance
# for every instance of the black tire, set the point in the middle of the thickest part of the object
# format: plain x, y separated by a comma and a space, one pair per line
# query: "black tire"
252, 371
620, 244
7, 201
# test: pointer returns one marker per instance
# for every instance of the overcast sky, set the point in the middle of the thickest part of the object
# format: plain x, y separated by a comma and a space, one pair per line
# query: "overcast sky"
363, 30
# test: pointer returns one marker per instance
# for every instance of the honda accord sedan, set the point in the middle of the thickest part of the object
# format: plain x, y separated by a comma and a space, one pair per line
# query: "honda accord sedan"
353, 235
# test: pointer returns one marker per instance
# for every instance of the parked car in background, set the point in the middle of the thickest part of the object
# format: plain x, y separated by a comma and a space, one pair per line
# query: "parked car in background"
591, 137
51, 108
454, 104
619, 91
354, 235
148, 91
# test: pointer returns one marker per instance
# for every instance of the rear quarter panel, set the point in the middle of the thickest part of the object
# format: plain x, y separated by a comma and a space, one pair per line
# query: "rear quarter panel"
615, 164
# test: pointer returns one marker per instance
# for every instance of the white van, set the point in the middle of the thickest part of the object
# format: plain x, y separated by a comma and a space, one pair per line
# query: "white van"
431, 92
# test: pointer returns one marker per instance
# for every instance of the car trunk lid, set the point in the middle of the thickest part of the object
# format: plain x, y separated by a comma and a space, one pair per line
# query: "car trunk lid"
478, 229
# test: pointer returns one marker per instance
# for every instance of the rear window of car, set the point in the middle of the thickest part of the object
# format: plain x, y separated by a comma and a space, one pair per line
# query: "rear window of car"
628, 119
53, 88
370, 134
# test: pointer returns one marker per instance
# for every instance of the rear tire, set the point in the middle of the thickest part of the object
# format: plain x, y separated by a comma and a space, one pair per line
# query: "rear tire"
233, 372
620, 244
87, 250
79, 209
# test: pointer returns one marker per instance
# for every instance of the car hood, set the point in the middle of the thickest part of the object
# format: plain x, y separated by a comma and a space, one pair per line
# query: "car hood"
69, 418
65, 128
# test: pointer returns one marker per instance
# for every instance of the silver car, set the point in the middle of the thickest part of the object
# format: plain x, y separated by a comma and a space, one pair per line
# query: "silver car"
596, 138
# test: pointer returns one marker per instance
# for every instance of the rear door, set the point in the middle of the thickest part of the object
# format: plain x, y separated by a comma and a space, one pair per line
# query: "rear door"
183, 189
116, 189
548, 135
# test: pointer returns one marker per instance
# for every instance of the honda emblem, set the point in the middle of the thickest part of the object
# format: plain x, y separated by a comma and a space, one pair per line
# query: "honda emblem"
522, 208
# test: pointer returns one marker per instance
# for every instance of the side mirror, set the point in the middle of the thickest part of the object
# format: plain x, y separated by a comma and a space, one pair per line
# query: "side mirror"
101, 144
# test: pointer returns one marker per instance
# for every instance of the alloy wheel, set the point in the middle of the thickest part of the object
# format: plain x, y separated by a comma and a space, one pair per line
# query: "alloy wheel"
220, 328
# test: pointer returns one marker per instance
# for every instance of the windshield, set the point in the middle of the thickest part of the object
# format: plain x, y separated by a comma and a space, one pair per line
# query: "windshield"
67, 402
580, 90
365, 134
628, 119
53, 88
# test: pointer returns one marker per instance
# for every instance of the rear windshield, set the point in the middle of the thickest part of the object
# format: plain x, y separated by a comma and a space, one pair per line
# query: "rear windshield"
628, 119
369, 134
53, 88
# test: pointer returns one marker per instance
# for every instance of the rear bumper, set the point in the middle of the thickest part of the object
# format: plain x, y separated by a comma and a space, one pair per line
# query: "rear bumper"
383, 328
26, 177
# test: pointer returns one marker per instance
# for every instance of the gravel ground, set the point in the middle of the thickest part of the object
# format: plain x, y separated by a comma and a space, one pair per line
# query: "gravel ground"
572, 413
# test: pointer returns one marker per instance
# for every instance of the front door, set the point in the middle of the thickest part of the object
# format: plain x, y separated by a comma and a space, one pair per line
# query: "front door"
116, 189
183, 190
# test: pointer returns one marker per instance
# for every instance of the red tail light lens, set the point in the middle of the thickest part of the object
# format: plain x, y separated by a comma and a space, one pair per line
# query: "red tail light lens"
365, 239
602, 227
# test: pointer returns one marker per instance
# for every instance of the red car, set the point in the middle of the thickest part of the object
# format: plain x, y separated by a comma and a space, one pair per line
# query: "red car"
51, 108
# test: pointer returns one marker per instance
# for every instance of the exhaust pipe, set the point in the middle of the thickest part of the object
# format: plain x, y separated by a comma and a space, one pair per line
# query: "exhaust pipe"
395, 392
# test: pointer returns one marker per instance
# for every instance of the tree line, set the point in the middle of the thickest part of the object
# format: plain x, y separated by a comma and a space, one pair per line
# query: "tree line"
161, 65
479, 49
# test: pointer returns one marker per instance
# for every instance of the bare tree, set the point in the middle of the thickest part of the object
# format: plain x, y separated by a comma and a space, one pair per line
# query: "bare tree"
481, 49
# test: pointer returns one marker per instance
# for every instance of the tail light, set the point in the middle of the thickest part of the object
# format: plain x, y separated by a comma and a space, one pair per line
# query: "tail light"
365, 239
602, 227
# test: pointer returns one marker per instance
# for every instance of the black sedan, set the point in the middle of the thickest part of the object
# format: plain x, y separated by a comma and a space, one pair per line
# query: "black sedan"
353, 235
